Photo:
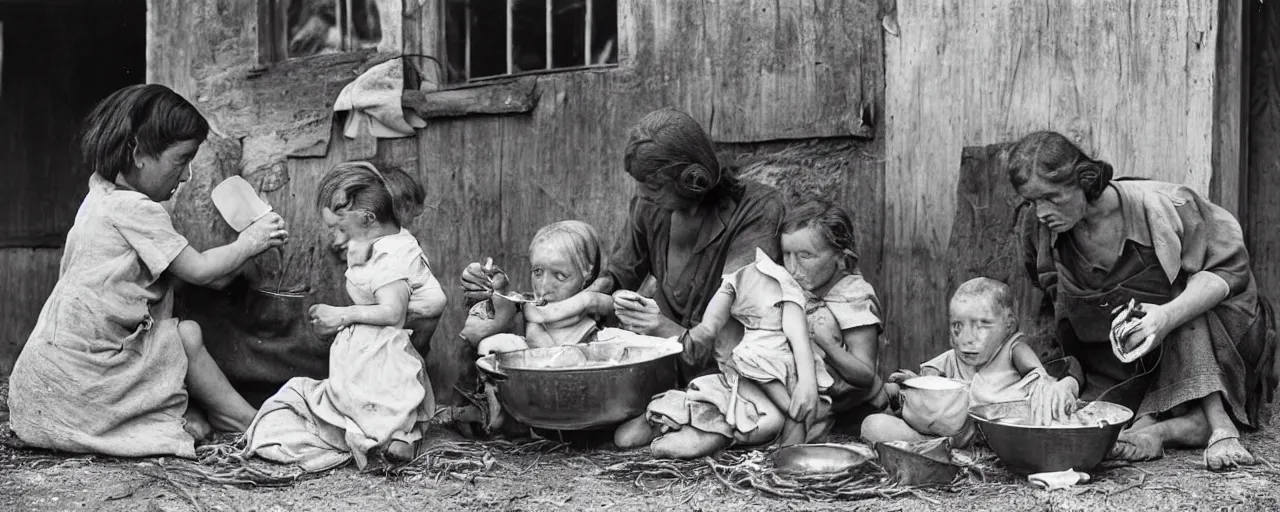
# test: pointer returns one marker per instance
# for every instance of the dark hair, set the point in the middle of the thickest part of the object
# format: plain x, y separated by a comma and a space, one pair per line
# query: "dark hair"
149, 117
1058, 161
389, 195
669, 147
834, 222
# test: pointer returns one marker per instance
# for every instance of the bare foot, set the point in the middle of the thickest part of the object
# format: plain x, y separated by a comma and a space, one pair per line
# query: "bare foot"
1227, 454
399, 451
1137, 446
196, 424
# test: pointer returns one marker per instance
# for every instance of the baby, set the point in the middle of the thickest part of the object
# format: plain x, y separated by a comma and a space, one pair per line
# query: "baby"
775, 350
564, 258
987, 353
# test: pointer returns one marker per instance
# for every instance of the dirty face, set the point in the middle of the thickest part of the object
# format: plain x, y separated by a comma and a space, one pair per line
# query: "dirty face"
344, 227
810, 258
978, 329
552, 273
160, 176
1058, 207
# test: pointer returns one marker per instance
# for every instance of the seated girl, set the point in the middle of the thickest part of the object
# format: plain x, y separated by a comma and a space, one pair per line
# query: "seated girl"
108, 369
841, 307
377, 398
564, 257
987, 353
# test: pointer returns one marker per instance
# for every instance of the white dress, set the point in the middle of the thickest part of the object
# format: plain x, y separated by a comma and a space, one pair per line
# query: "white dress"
377, 390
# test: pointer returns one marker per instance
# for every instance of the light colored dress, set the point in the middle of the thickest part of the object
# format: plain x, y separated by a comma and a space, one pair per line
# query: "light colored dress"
377, 390
104, 370
849, 304
996, 382
759, 291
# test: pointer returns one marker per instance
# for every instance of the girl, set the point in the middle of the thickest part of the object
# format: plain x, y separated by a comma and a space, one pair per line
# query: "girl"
107, 369
775, 350
564, 257
841, 307
377, 397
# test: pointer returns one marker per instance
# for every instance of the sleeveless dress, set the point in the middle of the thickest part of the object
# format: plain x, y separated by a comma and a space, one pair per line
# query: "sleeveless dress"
377, 390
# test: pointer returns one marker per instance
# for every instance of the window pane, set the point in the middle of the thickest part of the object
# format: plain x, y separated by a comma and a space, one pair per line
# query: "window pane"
326, 26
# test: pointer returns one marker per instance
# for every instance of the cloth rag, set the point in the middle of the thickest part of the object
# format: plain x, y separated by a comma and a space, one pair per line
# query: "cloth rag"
374, 99
1058, 479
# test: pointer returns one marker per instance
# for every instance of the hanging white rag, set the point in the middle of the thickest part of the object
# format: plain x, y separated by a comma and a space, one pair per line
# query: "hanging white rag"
374, 101
1058, 479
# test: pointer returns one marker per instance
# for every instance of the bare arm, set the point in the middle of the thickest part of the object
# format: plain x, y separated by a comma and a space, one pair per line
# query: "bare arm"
797, 330
393, 303
1025, 359
713, 319
1205, 290
857, 363
584, 302
213, 265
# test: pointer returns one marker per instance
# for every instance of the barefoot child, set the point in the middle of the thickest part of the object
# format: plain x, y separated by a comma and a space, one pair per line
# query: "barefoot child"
107, 369
987, 353
775, 350
377, 398
564, 257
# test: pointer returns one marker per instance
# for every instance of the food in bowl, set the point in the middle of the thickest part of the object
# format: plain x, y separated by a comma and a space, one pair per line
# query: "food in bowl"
1078, 442
934, 405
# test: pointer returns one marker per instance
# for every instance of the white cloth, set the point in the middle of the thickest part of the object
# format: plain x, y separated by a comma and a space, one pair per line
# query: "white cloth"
374, 100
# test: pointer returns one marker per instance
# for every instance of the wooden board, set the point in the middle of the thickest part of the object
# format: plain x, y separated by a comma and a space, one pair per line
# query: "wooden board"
27, 277
1264, 148
965, 73
793, 70
60, 61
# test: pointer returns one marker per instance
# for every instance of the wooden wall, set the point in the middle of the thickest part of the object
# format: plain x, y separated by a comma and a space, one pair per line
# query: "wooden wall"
1263, 179
1132, 81
801, 70
59, 59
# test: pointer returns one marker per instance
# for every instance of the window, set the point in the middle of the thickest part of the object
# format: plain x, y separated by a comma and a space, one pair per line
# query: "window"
495, 38
298, 28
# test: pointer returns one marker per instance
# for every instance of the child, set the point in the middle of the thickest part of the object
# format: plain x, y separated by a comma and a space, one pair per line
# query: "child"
564, 258
775, 350
987, 353
842, 309
377, 397
107, 369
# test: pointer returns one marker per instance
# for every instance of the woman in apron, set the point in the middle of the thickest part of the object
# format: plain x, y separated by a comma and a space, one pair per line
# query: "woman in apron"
1205, 336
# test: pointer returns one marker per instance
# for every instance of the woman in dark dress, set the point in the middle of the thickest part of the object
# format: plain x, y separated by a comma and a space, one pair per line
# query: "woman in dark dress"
1210, 336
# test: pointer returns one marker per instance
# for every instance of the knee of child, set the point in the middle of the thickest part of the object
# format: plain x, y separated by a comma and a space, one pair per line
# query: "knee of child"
192, 337
880, 427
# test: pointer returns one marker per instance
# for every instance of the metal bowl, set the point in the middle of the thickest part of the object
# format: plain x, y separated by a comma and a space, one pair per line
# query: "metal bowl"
1079, 443
827, 458
583, 387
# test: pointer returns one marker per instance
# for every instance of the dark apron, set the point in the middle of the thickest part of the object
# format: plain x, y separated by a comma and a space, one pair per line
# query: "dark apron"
1085, 330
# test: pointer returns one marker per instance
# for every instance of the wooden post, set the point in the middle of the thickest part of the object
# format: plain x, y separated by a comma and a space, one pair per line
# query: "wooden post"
586, 39
1229, 161
466, 27
548, 34
511, 5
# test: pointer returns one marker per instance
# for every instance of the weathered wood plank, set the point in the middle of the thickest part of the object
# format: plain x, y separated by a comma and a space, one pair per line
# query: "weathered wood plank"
1230, 164
793, 70
27, 277
986, 238
962, 74
1264, 148
509, 97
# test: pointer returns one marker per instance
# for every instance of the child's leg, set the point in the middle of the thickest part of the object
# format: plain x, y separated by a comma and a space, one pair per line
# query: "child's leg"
197, 424
227, 410
882, 428
688, 443
495, 407
793, 432
635, 432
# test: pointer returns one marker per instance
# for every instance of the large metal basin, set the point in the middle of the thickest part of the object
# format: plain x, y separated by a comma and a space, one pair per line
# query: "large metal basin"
1078, 444
586, 386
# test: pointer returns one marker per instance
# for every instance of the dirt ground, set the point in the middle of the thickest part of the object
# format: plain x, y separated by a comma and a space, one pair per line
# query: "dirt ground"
573, 479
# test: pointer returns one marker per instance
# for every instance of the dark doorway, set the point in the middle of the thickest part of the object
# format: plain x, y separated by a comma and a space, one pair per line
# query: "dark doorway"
59, 58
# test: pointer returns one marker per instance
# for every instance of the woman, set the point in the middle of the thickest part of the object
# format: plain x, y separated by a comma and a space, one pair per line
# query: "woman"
107, 369
1102, 243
